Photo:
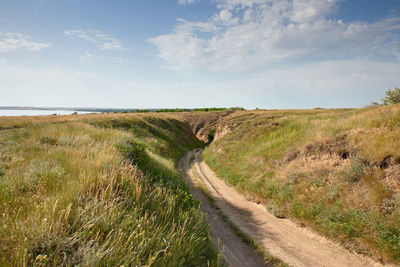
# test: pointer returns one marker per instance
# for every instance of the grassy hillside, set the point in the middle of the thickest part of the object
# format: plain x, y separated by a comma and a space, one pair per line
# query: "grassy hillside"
98, 189
337, 171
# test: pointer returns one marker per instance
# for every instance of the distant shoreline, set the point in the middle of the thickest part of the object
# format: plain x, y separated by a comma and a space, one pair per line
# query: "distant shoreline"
117, 110
40, 112
67, 109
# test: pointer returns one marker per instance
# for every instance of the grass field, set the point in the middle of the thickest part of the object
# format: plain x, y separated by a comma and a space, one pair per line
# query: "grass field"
104, 189
337, 171
95, 190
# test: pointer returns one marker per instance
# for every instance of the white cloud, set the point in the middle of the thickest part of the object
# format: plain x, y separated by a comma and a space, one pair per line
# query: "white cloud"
185, 2
311, 10
226, 18
101, 40
89, 57
248, 33
16, 41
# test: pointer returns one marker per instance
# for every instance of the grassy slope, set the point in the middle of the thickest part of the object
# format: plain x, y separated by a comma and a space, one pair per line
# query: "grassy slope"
335, 170
98, 189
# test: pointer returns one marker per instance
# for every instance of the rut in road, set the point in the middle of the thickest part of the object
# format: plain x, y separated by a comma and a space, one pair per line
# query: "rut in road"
235, 252
281, 238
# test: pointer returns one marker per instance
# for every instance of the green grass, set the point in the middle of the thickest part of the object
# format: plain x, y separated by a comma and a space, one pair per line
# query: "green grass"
98, 190
328, 169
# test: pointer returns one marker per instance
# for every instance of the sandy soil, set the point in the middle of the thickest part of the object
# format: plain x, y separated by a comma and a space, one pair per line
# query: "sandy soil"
235, 252
282, 238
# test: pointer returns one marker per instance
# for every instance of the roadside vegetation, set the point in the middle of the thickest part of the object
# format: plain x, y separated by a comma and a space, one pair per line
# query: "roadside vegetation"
337, 171
93, 190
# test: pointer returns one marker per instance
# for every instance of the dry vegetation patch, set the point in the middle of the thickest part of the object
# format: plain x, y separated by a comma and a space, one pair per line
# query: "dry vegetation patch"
96, 190
334, 170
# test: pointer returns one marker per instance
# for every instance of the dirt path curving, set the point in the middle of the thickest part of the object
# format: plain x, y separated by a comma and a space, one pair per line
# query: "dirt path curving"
282, 238
235, 252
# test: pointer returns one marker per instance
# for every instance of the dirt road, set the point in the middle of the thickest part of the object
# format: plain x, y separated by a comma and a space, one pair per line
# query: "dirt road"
234, 251
292, 244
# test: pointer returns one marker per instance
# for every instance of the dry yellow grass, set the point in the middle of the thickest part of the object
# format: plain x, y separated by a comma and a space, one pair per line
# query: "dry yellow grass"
98, 190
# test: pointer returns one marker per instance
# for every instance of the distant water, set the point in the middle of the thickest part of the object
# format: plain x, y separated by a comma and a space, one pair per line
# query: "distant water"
28, 112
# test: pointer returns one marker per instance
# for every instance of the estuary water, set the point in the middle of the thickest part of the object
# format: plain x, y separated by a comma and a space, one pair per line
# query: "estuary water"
28, 112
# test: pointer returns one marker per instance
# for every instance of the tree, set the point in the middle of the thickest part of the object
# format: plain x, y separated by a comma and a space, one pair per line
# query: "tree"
392, 96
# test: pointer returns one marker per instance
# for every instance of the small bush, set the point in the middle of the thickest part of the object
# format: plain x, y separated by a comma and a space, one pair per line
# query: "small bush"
211, 135
132, 150
392, 96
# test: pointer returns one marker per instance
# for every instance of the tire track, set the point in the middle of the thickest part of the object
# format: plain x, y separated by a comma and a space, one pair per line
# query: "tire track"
292, 244
235, 252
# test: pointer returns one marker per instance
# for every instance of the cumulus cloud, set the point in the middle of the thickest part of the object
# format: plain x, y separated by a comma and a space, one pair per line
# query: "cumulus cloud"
311, 10
249, 33
97, 37
16, 41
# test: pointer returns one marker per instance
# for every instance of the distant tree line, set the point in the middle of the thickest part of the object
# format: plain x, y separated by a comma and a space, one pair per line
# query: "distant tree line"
174, 110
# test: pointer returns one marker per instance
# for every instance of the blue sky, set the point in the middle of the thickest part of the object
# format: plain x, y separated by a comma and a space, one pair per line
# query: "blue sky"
198, 53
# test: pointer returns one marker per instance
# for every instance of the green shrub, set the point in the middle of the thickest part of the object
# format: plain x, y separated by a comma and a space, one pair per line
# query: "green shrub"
392, 96
211, 135
132, 150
